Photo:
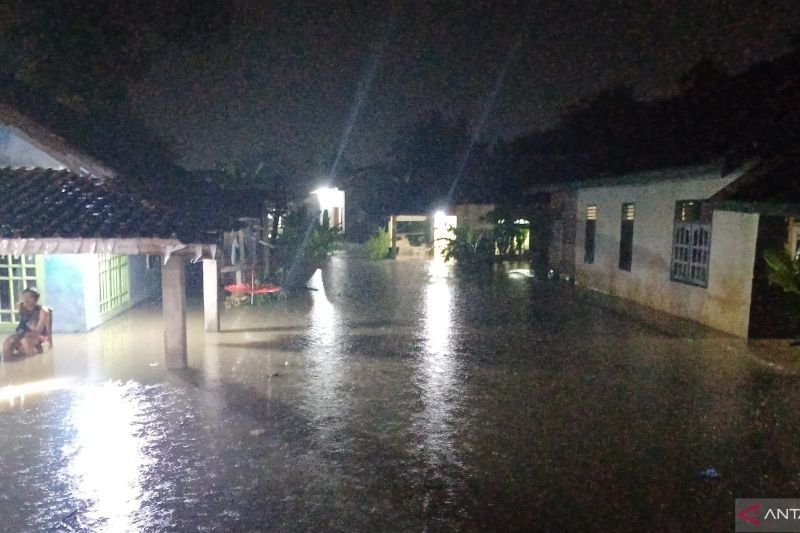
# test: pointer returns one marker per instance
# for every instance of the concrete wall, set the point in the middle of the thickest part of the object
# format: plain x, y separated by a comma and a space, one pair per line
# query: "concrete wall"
723, 305
730, 278
561, 251
471, 216
145, 282
15, 152
63, 291
72, 289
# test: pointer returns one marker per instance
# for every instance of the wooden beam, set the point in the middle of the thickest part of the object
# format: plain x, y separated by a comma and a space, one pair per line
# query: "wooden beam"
211, 294
173, 301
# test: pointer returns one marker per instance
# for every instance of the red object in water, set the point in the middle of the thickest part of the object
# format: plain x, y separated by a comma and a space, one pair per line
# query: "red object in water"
252, 289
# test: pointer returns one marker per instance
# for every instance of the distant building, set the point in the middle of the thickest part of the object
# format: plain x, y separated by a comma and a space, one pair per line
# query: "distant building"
330, 202
423, 236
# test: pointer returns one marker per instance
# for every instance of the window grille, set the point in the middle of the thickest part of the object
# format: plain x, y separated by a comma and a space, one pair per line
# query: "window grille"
691, 244
16, 274
114, 282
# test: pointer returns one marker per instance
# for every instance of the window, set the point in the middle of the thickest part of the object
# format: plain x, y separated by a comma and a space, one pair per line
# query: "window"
16, 274
114, 282
591, 233
626, 237
691, 243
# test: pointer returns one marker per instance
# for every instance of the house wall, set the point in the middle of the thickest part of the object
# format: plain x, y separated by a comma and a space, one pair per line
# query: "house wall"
143, 285
471, 216
91, 291
561, 251
145, 282
15, 152
63, 291
724, 304
400, 241
72, 289
730, 277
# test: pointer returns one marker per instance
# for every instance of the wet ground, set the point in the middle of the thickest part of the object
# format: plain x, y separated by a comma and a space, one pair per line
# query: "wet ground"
395, 397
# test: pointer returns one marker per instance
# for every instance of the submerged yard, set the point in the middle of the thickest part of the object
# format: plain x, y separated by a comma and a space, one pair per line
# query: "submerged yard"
394, 396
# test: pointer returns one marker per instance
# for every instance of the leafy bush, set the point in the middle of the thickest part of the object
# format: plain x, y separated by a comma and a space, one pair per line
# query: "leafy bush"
784, 270
508, 236
473, 253
377, 247
304, 245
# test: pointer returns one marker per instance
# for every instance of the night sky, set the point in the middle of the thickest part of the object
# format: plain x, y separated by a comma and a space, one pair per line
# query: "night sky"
286, 82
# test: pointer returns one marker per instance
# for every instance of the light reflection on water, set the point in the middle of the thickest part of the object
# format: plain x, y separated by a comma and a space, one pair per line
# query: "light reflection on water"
437, 369
106, 455
17, 393
403, 402
325, 375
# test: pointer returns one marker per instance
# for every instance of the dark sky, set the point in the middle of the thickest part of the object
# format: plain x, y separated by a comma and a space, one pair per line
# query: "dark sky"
286, 82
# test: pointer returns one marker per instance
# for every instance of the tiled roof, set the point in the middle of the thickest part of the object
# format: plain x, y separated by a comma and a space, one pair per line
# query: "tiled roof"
46, 203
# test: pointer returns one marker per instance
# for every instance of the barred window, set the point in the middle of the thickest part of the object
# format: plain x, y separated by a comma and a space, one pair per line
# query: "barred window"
691, 244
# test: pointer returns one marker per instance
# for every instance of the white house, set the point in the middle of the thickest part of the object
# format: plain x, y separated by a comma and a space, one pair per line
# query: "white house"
655, 238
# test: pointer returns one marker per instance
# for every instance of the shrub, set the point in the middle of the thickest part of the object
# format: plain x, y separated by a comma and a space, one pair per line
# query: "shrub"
784, 270
377, 247
473, 253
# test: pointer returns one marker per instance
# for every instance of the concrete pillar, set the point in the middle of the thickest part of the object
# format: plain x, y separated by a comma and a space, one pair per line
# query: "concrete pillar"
211, 294
173, 300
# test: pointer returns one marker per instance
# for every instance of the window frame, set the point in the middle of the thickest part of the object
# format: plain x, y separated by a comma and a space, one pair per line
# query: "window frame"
113, 280
626, 235
690, 253
590, 235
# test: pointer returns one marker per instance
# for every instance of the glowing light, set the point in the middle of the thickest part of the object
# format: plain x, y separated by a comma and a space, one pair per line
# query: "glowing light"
326, 196
331, 199
443, 226
521, 221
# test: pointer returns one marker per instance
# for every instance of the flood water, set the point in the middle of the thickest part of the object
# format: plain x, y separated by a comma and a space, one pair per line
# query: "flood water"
396, 397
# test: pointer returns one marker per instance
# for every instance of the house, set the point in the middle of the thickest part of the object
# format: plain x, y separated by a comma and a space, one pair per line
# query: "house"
552, 230
689, 241
412, 236
94, 239
423, 236
328, 202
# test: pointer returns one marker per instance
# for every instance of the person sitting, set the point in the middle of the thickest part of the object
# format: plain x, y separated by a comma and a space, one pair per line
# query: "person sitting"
32, 325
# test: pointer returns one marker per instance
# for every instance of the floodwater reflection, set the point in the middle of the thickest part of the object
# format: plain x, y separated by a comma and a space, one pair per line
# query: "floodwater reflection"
325, 404
12, 394
438, 366
395, 397
106, 457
